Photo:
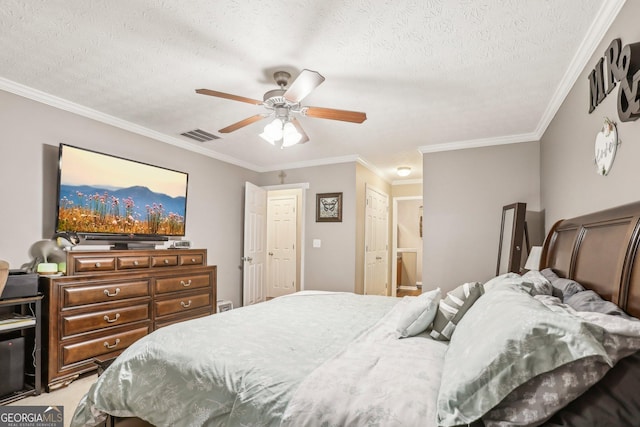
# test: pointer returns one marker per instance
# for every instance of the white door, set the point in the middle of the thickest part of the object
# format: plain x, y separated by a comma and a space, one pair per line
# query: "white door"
376, 257
254, 256
281, 245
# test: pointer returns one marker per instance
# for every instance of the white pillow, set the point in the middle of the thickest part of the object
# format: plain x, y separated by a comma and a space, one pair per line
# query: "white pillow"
419, 314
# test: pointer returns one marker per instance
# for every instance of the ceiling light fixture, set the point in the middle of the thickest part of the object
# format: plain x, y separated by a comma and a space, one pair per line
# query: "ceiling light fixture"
282, 132
403, 171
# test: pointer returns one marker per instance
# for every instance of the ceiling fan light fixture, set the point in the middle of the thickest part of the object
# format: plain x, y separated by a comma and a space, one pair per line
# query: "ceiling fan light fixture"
273, 131
285, 134
403, 171
290, 135
282, 103
267, 138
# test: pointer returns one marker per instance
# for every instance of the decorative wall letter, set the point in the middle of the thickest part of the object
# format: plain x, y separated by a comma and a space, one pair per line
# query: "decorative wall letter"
623, 65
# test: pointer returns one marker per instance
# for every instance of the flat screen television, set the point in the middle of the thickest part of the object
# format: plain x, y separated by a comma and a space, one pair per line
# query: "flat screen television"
106, 198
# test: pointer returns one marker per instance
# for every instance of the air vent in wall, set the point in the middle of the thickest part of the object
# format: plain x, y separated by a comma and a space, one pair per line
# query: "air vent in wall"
200, 135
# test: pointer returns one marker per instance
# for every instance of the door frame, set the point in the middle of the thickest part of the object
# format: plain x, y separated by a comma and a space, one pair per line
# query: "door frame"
394, 240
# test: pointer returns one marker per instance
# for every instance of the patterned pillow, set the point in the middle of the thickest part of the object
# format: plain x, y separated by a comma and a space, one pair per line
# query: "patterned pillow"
539, 398
453, 307
618, 389
481, 370
419, 314
542, 396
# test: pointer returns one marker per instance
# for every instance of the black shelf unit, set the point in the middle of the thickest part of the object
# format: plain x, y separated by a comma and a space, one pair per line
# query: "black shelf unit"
28, 305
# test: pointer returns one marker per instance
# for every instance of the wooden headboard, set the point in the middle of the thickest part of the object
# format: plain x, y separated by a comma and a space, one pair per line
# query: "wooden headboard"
599, 252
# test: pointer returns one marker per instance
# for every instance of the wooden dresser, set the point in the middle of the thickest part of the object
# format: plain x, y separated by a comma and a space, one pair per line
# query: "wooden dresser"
109, 299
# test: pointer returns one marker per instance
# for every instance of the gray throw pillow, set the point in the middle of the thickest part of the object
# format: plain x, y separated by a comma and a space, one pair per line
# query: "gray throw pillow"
566, 287
590, 301
453, 308
549, 274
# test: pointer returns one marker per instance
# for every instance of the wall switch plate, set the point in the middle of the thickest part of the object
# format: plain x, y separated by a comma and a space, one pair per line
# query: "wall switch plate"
317, 243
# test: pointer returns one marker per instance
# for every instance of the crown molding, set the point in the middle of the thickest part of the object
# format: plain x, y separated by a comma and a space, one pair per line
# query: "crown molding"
72, 107
406, 182
477, 143
373, 169
598, 29
309, 163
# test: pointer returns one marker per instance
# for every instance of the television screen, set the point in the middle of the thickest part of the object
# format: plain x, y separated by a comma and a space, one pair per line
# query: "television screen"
101, 194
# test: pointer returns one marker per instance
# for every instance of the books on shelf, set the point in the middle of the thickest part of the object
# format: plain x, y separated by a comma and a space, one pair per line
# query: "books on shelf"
14, 320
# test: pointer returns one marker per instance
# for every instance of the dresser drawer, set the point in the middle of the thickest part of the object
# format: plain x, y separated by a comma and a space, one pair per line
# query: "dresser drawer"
72, 353
83, 265
164, 261
128, 262
193, 259
192, 314
180, 283
182, 304
79, 323
113, 291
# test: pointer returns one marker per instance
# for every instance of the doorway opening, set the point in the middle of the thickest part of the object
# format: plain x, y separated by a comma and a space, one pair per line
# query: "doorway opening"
376, 242
273, 253
406, 248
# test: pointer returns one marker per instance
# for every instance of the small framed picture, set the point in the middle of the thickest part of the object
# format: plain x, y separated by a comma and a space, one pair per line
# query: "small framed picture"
329, 207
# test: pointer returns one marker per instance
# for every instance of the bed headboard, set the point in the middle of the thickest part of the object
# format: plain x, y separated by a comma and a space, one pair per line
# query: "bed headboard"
599, 252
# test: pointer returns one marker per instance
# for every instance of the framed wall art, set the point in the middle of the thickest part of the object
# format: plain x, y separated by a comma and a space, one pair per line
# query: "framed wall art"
329, 207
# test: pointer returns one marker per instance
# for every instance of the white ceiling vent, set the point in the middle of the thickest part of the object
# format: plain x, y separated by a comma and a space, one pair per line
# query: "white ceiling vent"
200, 135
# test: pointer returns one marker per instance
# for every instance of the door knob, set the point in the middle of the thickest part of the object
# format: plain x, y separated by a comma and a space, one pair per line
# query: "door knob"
270, 253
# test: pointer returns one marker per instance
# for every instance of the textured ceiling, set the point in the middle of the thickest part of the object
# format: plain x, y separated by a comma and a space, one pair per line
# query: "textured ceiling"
428, 73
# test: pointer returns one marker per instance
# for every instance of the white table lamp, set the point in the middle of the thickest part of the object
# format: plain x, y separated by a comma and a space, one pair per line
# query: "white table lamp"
533, 262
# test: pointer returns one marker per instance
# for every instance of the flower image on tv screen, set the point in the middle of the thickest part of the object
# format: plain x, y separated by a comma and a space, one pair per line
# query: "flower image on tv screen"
104, 194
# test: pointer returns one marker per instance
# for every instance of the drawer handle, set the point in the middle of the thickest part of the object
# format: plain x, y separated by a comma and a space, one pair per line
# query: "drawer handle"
107, 293
166, 261
187, 305
135, 263
115, 319
106, 344
193, 260
182, 282
98, 265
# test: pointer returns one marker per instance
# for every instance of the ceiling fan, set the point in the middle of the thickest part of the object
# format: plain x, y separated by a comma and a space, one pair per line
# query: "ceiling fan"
284, 103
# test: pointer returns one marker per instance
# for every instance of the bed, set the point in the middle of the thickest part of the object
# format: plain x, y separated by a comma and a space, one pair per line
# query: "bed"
555, 347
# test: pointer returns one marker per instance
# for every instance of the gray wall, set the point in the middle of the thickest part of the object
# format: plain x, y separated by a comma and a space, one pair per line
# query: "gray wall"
570, 185
463, 193
332, 266
31, 132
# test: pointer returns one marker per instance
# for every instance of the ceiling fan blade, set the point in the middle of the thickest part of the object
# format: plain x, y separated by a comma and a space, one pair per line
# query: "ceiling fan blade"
303, 85
301, 131
333, 114
228, 96
243, 123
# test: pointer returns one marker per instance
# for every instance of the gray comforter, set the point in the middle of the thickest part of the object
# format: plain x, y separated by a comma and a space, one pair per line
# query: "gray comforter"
244, 366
